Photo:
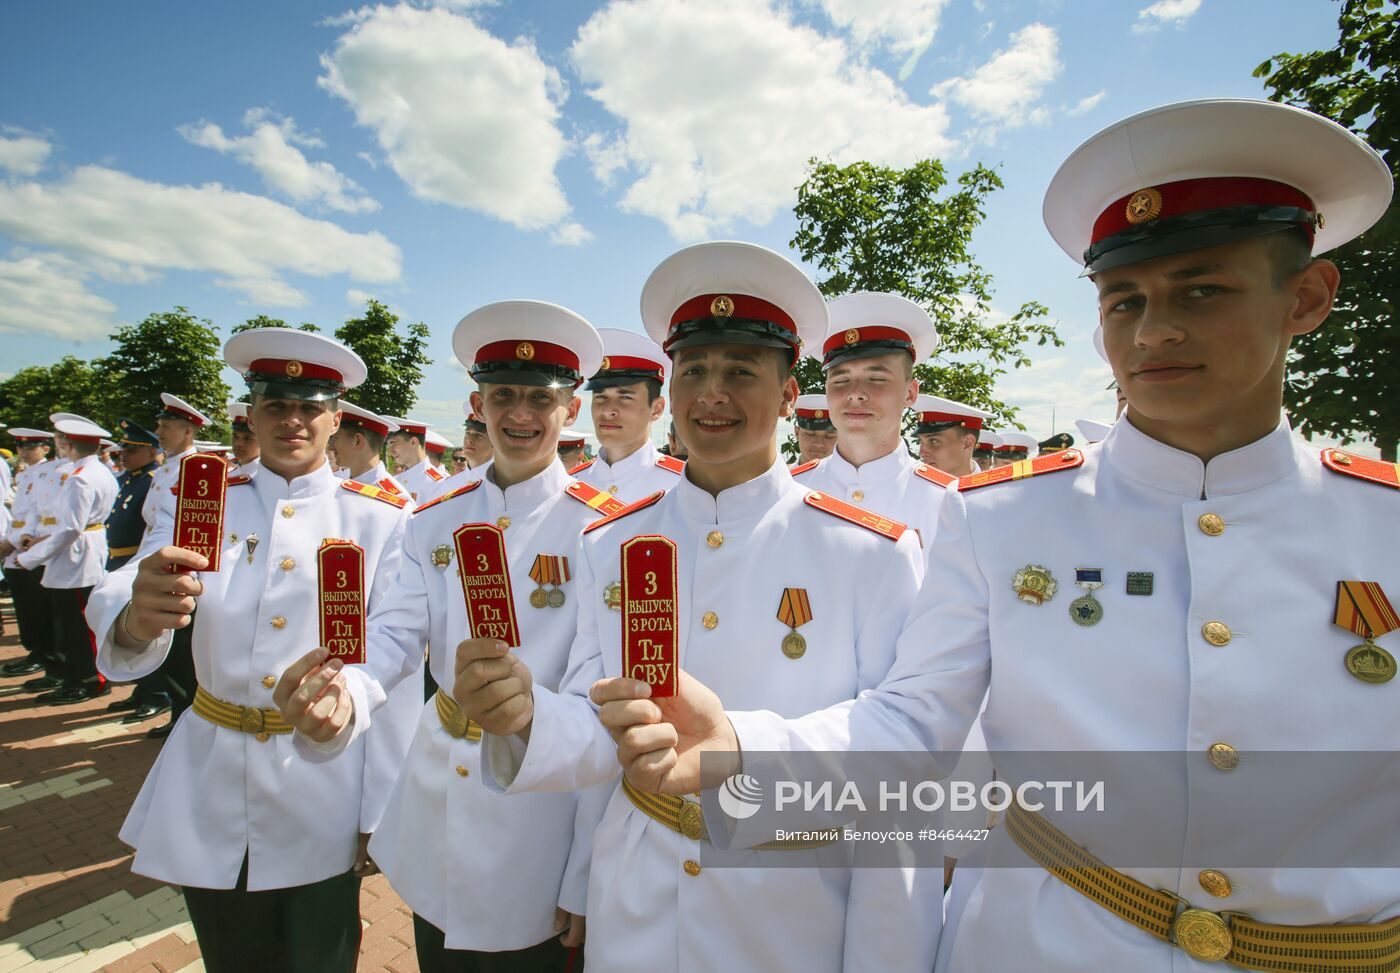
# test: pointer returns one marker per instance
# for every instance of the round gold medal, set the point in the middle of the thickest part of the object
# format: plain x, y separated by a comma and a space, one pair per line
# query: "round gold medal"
1371, 663
538, 598
794, 645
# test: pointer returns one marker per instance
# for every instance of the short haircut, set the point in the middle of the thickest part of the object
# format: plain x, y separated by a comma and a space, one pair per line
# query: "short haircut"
332, 405
405, 434
375, 439
1289, 251
83, 449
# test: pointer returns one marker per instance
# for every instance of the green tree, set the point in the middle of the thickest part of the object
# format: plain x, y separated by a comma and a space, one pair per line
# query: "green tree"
170, 351
1342, 378
31, 395
263, 321
875, 228
395, 360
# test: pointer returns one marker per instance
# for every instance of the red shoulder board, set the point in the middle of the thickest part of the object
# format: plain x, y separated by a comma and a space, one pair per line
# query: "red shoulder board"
369, 490
433, 473
798, 470
468, 488
387, 485
239, 480
1374, 470
934, 475
883, 526
605, 503
626, 509
582, 466
1065, 459
670, 463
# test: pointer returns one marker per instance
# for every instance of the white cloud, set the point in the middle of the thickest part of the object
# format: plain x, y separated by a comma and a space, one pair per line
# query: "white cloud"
1005, 89
904, 26
722, 104
570, 235
357, 298
271, 148
463, 117
22, 153
124, 225
266, 292
46, 294
1086, 104
1173, 13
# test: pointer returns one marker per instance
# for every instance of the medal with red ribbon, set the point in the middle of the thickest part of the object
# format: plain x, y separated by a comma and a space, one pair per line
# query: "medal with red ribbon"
340, 573
1363, 609
650, 613
199, 506
553, 570
794, 611
481, 564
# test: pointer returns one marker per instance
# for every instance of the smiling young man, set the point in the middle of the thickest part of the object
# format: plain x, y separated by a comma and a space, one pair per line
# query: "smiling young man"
488, 880
750, 541
1229, 574
868, 358
811, 423
948, 432
626, 401
265, 836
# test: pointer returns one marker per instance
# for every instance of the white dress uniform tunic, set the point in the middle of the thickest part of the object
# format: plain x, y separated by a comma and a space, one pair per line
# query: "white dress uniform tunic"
737, 554
421, 480
160, 496
896, 485
32, 485
73, 551
633, 477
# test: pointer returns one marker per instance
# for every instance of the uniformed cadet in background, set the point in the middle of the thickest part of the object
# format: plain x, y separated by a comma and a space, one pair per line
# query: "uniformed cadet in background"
1015, 446
475, 443
1056, 443
260, 831
407, 447
626, 400
243, 443
1231, 586
868, 357
674, 447
125, 530
39, 521
811, 421
72, 552
32, 616
947, 432
780, 581
436, 446
985, 454
571, 447
486, 877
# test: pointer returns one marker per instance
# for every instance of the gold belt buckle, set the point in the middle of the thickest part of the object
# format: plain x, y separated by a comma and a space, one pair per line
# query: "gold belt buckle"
252, 720
691, 820
1202, 934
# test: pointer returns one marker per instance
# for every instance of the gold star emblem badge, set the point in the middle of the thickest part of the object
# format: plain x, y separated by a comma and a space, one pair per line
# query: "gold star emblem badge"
1144, 206
294, 369
852, 336
607, 364
525, 351
722, 307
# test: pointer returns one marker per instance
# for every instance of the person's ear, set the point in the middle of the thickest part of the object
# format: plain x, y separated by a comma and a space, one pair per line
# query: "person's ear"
658, 407
790, 393
1313, 290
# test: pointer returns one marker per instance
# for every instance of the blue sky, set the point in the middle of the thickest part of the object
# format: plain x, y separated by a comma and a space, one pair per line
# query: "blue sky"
293, 158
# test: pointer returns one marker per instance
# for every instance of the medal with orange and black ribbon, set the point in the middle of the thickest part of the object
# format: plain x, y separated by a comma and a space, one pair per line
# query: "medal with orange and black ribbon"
551, 570
794, 611
1363, 609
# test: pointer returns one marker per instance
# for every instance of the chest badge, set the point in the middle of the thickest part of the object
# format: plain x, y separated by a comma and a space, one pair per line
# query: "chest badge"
1363, 609
548, 572
251, 542
1086, 610
612, 596
442, 556
794, 611
1034, 584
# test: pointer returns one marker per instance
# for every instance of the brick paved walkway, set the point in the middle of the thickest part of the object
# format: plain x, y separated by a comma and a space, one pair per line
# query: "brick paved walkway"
68, 900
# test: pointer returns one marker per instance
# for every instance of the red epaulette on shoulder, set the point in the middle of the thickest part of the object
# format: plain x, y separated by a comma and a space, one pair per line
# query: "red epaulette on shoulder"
387, 485
934, 475
1363, 468
626, 509
434, 474
582, 466
883, 526
670, 463
803, 468
373, 492
467, 488
1065, 459
605, 503
239, 480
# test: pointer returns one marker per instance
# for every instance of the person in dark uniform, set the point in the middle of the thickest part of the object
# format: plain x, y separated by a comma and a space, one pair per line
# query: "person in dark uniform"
125, 526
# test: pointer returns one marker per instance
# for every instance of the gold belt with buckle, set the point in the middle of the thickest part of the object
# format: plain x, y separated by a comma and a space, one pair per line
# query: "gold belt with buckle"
454, 721
92, 527
261, 723
1210, 936
687, 818
122, 551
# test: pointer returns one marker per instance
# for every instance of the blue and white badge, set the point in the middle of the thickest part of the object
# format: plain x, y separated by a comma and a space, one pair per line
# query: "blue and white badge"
1086, 610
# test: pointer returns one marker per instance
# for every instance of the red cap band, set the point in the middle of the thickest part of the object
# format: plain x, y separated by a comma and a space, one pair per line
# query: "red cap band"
971, 422
72, 438
293, 369
434, 447
734, 306
626, 363
1186, 196
364, 423
538, 352
813, 413
854, 336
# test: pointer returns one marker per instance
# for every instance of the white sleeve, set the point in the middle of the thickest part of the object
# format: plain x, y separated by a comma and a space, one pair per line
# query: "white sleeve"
70, 510
105, 605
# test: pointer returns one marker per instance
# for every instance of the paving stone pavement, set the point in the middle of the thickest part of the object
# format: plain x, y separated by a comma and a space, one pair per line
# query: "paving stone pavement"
68, 899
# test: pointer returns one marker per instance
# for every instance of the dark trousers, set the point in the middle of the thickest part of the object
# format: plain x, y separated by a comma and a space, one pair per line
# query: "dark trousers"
433, 957
176, 674
33, 613
76, 649
307, 929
